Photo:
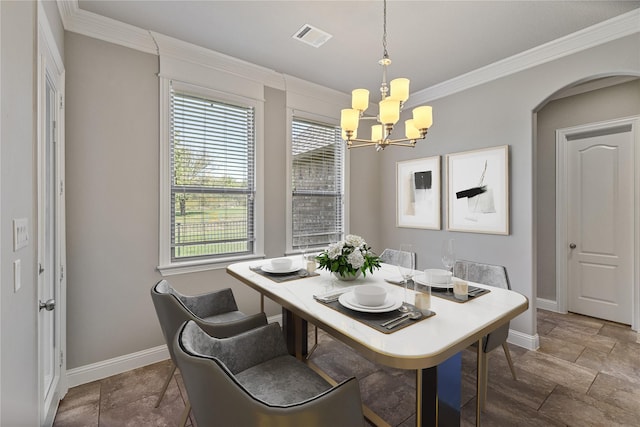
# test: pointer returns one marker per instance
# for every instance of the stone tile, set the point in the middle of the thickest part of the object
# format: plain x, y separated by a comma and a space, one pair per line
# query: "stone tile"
80, 407
134, 385
143, 413
624, 362
501, 410
560, 348
576, 336
528, 389
545, 327
82, 395
563, 393
557, 370
340, 362
578, 409
620, 332
592, 359
617, 392
392, 399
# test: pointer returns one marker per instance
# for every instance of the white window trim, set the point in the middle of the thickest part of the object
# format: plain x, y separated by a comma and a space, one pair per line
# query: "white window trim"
166, 266
291, 113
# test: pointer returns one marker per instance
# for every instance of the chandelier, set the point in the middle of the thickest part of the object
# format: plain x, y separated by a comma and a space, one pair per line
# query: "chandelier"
393, 97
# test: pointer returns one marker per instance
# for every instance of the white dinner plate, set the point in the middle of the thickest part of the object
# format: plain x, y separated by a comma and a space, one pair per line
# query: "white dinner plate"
348, 300
421, 280
267, 268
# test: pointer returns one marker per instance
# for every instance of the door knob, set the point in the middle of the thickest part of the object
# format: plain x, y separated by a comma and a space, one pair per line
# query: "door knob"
572, 245
48, 305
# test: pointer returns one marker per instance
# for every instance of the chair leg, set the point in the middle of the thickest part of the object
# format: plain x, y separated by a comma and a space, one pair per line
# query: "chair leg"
185, 414
166, 384
483, 378
507, 353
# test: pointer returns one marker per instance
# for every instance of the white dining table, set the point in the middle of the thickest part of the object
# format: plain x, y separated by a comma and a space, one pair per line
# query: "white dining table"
431, 346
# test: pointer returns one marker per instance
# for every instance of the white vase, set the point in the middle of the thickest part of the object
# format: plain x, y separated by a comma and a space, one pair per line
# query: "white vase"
347, 277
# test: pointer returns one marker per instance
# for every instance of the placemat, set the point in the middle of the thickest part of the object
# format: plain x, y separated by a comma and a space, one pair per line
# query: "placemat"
279, 278
375, 320
474, 291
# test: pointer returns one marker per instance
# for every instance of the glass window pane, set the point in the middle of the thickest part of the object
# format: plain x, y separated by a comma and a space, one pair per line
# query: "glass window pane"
212, 186
317, 182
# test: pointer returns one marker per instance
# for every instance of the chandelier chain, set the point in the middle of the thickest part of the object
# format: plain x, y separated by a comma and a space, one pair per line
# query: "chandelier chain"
385, 54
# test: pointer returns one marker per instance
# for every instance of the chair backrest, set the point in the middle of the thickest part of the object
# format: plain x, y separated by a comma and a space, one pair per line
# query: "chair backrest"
486, 274
218, 398
171, 311
490, 275
389, 256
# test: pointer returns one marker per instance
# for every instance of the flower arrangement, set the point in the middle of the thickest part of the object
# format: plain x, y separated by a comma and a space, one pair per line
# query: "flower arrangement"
348, 257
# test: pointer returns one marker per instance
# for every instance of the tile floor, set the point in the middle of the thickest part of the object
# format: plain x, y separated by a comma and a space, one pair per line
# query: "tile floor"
586, 373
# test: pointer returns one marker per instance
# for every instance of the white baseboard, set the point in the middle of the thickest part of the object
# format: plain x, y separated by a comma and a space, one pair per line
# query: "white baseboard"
530, 342
275, 319
117, 365
547, 304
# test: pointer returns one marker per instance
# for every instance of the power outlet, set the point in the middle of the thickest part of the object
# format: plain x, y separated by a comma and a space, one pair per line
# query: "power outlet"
20, 233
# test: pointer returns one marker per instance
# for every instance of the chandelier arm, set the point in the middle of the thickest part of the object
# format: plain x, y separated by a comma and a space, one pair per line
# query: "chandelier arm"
362, 143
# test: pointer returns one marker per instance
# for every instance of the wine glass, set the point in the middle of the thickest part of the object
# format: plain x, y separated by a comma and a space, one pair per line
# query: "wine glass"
303, 245
448, 254
406, 266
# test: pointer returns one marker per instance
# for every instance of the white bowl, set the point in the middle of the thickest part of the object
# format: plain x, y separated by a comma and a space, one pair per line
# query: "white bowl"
281, 264
370, 295
438, 276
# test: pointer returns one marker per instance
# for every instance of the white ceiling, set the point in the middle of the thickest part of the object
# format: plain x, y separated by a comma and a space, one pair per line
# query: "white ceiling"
429, 41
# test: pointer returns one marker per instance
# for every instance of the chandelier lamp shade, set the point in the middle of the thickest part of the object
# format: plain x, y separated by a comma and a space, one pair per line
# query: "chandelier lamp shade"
393, 97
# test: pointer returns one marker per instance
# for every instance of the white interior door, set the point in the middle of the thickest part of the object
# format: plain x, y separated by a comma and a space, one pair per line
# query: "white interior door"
600, 222
50, 228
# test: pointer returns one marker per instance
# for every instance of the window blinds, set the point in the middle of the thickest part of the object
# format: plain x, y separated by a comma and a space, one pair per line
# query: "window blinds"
317, 183
212, 179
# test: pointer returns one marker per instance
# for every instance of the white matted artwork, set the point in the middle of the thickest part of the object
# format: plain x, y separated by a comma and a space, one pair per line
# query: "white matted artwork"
418, 193
478, 191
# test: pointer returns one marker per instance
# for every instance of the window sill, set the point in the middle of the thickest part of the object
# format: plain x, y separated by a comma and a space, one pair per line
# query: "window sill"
186, 267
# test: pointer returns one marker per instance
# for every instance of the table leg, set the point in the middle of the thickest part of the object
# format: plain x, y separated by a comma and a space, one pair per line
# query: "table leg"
439, 394
295, 334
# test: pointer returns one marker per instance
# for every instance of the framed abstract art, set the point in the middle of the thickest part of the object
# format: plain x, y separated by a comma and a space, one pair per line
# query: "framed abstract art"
478, 191
418, 193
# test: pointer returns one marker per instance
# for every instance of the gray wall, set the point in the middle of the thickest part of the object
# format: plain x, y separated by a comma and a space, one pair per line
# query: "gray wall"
498, 113
112, 201
604, 104
112, 186
19, 347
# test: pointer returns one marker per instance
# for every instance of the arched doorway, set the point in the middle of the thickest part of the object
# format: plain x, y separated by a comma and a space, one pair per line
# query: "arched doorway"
595, 100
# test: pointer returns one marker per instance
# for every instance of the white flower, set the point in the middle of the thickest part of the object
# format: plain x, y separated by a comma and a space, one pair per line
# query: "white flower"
335, 250
356, 259
355, 241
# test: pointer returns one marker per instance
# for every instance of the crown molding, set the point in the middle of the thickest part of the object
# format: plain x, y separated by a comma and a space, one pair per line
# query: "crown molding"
178, 49
598, 34
90, 24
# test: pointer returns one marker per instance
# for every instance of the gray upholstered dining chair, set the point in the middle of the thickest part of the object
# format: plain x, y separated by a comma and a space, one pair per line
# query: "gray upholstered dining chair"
491, 275
388, 256
216, 312
250, 379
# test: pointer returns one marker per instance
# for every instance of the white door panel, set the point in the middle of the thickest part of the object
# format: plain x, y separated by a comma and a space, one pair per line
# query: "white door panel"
600, 224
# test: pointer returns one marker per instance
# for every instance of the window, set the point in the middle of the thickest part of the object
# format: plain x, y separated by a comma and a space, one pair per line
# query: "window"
212, 152
317, 184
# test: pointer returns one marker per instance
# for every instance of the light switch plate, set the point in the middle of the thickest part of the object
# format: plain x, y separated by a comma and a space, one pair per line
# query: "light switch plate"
20, 233
16, 276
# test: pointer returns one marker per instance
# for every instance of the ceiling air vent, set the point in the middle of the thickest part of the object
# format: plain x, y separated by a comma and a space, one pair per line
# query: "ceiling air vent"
311, 35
